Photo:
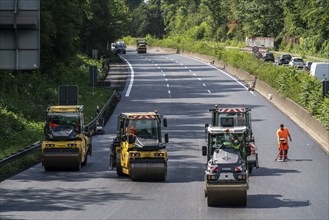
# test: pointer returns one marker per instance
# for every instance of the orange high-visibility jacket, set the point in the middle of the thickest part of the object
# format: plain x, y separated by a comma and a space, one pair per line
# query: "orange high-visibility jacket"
283, 134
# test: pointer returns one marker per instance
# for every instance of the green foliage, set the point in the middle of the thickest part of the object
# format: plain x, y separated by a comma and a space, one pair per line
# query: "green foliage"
231, 21
22, 116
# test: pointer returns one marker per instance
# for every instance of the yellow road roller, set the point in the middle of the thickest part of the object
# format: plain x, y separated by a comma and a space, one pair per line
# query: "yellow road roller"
138, 150
66, 145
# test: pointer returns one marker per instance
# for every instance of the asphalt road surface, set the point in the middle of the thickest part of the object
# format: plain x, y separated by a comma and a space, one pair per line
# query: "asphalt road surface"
183, 90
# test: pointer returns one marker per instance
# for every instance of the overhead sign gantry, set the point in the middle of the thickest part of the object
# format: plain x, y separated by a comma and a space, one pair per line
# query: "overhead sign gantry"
19, 34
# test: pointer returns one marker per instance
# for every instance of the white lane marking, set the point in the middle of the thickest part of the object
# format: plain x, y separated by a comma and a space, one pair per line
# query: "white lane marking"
169, 92
203, 84
191, 71
199, 79
132, 73
159, 67
185, 67
181, 64
166, 79
164, 75
209, 91
219, 71
172, 59
156, 64
194, 74
161, 71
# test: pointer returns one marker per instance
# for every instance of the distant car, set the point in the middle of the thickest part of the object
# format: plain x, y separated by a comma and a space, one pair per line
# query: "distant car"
308, 65
268, 57
297, 62
120, 47
113, 47
284, 59
320, 71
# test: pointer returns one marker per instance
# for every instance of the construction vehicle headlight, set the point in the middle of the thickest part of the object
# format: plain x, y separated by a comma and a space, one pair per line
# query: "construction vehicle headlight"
71, 145
50, 145
211, 177
158, 154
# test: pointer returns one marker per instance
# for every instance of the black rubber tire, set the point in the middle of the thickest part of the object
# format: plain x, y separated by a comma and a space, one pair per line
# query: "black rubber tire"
84, 163
250, 167
118, 165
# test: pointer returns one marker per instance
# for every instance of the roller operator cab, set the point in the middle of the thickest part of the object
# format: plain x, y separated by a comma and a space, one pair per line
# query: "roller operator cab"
228, 146
138, 150
66, 144
235, 117
226, 175
141, 46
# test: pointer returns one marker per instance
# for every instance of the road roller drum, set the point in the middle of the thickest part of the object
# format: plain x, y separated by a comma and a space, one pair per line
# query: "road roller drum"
148, 169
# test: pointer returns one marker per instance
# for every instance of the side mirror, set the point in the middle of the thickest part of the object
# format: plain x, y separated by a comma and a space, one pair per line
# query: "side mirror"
164, 122
166, 138
131, 139
204, 151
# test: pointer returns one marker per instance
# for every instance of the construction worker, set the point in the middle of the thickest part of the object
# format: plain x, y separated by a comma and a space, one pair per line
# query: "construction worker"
282, 135
236, 144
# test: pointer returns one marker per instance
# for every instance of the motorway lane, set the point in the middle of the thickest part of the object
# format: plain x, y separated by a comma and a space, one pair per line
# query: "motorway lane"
183, 90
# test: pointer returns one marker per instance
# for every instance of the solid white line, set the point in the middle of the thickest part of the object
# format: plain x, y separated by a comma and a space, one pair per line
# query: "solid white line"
132, 73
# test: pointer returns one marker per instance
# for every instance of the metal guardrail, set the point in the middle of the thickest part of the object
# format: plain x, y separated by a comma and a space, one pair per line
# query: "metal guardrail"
105, 113
34, 147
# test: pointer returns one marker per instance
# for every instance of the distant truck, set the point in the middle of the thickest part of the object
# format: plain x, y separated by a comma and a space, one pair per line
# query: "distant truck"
141, 46
320, 70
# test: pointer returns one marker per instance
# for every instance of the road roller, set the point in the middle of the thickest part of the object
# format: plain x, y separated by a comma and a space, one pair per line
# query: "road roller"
66, 145
226, 174
138, 150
